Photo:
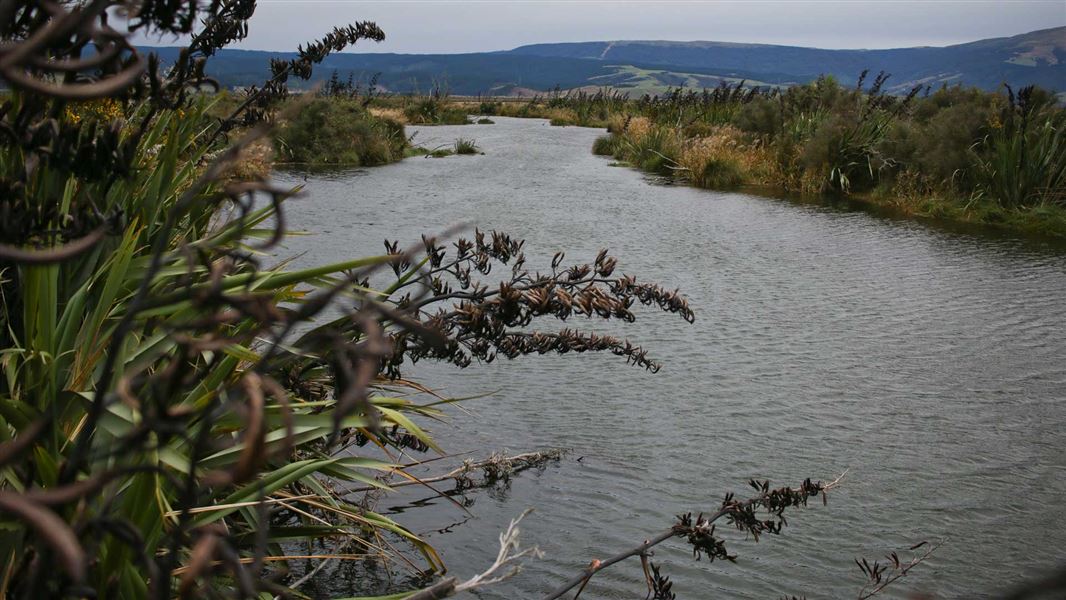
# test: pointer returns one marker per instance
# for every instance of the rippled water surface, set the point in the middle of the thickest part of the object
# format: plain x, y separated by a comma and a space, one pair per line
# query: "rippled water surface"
930, 363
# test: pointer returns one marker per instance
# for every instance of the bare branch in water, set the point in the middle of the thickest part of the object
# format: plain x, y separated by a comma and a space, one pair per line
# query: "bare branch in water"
700, 532
508, 563
881, 575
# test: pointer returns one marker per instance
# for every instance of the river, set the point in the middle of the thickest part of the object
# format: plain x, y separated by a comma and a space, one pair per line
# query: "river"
929, 363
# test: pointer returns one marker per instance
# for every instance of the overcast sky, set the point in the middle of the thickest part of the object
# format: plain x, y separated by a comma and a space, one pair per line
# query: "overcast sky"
428, 26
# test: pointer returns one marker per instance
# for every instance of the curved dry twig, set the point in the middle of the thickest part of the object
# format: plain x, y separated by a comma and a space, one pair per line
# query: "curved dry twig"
51, 256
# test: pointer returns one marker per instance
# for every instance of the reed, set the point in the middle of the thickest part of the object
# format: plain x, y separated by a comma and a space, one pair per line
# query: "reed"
995, 158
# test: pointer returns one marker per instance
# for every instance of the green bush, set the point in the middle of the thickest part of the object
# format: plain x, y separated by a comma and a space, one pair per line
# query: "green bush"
605, 145
719, 173
938, 145
761, 116
339, 131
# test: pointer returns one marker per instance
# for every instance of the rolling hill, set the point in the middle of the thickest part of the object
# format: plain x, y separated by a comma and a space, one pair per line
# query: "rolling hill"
1038, 57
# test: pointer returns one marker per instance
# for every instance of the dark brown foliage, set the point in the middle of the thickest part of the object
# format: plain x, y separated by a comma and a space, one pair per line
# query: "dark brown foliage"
660, 585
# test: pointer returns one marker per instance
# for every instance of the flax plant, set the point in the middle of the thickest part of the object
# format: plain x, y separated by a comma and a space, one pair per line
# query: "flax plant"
173, 420
1022, 162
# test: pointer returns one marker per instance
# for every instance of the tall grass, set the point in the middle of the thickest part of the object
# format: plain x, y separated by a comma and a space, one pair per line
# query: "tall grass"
605, 145
954, 153
434, 109
465, 146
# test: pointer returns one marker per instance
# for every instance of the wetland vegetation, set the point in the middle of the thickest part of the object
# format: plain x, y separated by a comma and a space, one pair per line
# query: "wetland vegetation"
954, 153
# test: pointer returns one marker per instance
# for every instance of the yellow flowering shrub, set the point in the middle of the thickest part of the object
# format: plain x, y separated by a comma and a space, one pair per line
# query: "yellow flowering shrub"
106, 109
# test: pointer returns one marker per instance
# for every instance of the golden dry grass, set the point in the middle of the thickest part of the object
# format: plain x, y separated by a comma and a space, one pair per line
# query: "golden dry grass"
393, 114
638, 128
719, 159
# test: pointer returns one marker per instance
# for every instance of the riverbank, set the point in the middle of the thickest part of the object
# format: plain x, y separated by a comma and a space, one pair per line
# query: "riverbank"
726, 160
962, 155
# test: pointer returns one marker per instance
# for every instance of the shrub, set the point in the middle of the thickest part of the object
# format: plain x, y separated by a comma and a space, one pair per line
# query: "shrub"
339, 131
846, 149
762, 116
605, 145
718, 173
940, 146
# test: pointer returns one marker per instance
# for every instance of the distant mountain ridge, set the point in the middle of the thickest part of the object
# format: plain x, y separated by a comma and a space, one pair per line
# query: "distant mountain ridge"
637, 67
1036, 57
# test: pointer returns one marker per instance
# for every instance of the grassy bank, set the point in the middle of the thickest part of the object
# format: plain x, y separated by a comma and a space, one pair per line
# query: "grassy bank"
956, 154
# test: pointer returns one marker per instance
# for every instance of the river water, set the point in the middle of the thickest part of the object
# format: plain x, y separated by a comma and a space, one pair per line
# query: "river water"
929, 363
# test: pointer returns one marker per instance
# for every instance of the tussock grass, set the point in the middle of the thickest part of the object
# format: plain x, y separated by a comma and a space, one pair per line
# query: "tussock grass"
390, 113
435, 109
605, 145
459, 146
465, 146
726, 157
